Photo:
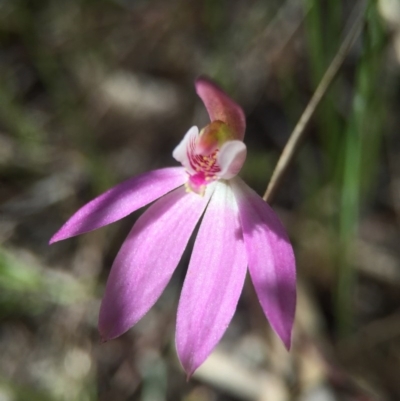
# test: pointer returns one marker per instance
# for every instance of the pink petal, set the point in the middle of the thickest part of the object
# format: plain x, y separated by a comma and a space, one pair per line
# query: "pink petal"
147, 259
180, 153
271, 259
221, 107
231, 158
213, 282
121, 200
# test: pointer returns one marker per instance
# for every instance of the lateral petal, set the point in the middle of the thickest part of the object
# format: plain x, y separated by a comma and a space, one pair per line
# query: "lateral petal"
213, 282
230, 158
221, 107
121, 200
187, 144
271, 259
147, 260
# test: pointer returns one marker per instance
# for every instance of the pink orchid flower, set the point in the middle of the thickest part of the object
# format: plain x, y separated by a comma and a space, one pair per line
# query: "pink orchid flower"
237, 229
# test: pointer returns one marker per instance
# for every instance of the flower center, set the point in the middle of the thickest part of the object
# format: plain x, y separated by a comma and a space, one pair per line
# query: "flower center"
202, 153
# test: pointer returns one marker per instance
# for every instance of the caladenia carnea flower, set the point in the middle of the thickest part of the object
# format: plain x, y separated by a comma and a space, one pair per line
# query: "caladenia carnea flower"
237, 230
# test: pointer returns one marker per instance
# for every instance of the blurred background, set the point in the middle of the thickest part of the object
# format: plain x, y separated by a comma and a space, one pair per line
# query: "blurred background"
95, 91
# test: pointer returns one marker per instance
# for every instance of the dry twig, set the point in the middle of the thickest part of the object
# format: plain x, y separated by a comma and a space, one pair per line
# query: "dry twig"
300, 128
